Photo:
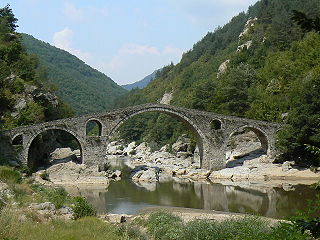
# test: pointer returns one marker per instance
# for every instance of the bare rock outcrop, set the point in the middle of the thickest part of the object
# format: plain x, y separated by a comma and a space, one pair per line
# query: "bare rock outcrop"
223, 68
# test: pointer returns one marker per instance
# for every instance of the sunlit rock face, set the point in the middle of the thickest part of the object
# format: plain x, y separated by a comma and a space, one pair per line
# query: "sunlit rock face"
166, 98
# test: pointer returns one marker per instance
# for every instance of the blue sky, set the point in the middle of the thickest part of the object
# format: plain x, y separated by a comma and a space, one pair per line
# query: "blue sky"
125, 39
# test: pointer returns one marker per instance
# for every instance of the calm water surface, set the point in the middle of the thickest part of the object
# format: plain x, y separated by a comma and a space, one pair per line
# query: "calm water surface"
126, 197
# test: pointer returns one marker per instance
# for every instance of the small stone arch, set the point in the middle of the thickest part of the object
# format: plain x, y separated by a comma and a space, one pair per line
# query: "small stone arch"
17, 140
95, 122
31, 139
262, 136
200, 135
215, 124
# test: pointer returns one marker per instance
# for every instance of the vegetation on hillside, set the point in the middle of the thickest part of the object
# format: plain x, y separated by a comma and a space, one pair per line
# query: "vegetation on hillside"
25, 97
275, 79
84, 88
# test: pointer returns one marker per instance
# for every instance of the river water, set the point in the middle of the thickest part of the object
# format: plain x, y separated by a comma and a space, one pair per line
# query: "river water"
126, 197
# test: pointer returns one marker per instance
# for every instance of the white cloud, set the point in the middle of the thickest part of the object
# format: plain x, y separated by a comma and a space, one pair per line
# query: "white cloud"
63, 40
133, 62
71, 11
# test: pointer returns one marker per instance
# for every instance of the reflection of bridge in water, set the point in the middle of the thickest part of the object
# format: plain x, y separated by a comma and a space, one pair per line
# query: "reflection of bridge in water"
212, 130
276, 200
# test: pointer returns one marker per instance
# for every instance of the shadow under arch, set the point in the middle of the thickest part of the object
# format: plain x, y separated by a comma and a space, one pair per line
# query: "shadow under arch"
17, 139
187, 121
38, 133
262, 136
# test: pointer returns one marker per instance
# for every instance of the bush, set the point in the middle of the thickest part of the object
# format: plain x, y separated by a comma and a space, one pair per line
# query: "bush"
45, 176
9, 175
82, 208
58, 196
126, 231
164, 225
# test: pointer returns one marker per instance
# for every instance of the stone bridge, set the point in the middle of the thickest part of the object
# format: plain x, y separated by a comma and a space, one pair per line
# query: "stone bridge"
212, 130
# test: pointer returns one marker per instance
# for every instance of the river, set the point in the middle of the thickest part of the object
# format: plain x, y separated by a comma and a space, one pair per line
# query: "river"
126, 197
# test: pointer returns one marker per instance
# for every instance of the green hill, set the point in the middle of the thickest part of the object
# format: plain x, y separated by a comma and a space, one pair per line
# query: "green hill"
84, 88
271, 70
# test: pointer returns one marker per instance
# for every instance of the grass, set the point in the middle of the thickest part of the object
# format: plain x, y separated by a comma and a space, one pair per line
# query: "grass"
83, 229
165, 226
9, 175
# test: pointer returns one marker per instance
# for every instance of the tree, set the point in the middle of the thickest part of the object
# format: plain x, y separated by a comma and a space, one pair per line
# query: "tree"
306, 23
7, 17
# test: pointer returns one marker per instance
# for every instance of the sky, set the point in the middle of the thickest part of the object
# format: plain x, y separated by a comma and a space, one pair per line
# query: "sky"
125, 39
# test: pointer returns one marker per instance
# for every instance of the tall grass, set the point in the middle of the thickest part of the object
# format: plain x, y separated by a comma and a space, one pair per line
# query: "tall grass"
9, 175
165, 226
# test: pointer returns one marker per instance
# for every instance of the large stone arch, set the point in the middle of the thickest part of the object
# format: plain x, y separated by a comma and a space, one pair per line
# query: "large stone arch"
180, 116
260, 133
42, 130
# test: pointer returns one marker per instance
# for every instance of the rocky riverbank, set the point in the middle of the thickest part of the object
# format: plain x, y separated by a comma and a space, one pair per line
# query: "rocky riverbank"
245, 162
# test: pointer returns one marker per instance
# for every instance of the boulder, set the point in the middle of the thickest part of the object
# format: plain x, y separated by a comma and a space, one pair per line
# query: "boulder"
130, 149
181, 145
244, 46
145, 174
114, 148
42, 206
286, 166
196, 174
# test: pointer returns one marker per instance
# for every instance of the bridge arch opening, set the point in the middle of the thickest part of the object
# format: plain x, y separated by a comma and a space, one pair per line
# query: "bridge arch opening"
216, 124
166, 124
93, 128
17, 140
53, 146
245, 143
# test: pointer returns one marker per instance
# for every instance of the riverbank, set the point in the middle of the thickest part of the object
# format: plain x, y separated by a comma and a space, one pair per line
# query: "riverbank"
29, 210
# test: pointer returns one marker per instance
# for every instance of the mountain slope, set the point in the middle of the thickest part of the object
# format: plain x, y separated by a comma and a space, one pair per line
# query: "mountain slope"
260, 65
142, 83
84, 88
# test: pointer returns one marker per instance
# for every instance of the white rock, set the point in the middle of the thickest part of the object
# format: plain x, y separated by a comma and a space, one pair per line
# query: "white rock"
223, 68
166, 98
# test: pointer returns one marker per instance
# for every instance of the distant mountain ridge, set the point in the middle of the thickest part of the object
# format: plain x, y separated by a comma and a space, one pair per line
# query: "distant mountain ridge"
142, 83
85, 89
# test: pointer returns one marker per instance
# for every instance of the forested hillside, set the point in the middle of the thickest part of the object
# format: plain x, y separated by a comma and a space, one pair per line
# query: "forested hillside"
25, 96
264, 64
84, 88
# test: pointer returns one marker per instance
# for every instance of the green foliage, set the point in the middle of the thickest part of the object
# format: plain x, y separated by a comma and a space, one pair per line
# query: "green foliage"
58, 196
7, 18
20, 71
307, 24
162, 225
85, 229
9, 175
127, 231
45, 176
277, 76
85, 89
82, 208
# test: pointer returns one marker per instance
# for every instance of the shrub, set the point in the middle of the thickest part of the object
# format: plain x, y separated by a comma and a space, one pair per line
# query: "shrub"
82, 208
58, 196
164, 225
45, 176
126, 231
9, 175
